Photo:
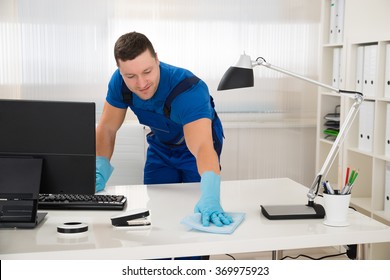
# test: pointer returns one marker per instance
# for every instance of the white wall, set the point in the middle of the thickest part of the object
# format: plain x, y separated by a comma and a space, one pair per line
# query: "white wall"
63, 50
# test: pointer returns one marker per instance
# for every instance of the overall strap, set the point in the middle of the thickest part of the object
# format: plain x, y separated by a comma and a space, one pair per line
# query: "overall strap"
127, 95
181, 87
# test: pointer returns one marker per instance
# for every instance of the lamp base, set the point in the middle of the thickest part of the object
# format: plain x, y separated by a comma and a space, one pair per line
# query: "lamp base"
291, 212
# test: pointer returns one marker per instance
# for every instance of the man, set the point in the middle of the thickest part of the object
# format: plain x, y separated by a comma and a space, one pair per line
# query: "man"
186, 137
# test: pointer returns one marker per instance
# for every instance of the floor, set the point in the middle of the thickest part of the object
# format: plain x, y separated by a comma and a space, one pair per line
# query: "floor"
289, 254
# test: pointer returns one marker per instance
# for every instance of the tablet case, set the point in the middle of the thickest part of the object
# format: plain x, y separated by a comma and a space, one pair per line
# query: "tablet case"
292, 212
20, 179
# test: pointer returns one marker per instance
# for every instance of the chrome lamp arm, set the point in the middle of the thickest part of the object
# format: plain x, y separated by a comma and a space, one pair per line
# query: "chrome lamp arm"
358, 97
241, 76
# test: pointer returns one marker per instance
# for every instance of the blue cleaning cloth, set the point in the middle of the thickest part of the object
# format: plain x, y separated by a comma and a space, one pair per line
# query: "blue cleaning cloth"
195, 221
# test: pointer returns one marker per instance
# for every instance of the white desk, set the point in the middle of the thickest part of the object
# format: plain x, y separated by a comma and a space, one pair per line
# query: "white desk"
168, 204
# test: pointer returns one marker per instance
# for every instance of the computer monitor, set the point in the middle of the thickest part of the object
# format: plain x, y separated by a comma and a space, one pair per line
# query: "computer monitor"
61, 133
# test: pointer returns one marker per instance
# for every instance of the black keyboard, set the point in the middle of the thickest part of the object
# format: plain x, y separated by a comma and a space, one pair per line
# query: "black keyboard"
81, 202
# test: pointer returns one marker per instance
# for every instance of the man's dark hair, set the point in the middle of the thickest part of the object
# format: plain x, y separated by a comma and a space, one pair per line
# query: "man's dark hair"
131, 45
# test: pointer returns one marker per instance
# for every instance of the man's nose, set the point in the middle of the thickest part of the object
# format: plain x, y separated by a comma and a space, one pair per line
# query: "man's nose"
141, 82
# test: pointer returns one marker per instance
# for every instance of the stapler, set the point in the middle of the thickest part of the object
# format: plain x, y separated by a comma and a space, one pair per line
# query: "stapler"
132, 218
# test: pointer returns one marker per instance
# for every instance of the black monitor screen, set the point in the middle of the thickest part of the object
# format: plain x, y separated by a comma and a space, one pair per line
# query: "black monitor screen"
61, 133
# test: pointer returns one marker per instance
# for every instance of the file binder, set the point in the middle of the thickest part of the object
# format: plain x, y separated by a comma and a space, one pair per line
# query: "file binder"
366, 126
387, 189
387, 72
340, 21
387, 140
341, 68
336, 67
369, 70
332, 22
359, 68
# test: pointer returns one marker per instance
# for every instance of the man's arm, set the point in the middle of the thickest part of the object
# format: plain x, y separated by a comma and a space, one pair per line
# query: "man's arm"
109, 123
199, 140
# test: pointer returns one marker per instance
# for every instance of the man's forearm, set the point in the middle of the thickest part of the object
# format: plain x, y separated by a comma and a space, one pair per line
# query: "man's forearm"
207, 160
105, 142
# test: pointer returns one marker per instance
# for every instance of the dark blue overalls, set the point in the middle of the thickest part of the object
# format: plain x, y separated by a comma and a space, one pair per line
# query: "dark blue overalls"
168, 159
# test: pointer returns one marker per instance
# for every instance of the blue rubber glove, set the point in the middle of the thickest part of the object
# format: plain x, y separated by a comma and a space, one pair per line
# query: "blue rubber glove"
209, 203
103, 172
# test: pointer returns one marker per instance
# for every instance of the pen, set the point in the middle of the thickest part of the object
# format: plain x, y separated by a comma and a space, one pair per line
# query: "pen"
329, 188
346, 189
354, 177
350, 185
351, 177
325, 189
346, 176
340, 179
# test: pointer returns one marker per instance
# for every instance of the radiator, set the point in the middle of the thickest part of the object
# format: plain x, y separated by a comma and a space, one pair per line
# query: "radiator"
255, 151
129, 155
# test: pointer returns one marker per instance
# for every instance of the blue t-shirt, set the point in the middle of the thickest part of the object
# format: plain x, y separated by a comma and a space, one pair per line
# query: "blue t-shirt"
187, 107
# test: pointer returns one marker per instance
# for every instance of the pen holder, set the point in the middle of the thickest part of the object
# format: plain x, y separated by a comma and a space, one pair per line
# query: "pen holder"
336, 209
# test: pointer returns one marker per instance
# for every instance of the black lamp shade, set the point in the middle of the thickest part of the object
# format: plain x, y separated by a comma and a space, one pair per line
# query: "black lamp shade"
236, 77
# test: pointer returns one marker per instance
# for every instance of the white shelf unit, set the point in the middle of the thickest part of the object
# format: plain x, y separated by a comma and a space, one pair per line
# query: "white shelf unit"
365, 24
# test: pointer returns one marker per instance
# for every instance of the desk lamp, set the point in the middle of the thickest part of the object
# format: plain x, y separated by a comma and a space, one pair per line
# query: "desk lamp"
241, 76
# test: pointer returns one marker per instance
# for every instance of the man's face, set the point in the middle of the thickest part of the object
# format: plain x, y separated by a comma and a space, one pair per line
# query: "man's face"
141, 75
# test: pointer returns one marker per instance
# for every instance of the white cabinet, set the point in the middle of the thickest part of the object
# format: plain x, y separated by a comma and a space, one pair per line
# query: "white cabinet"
364, 67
